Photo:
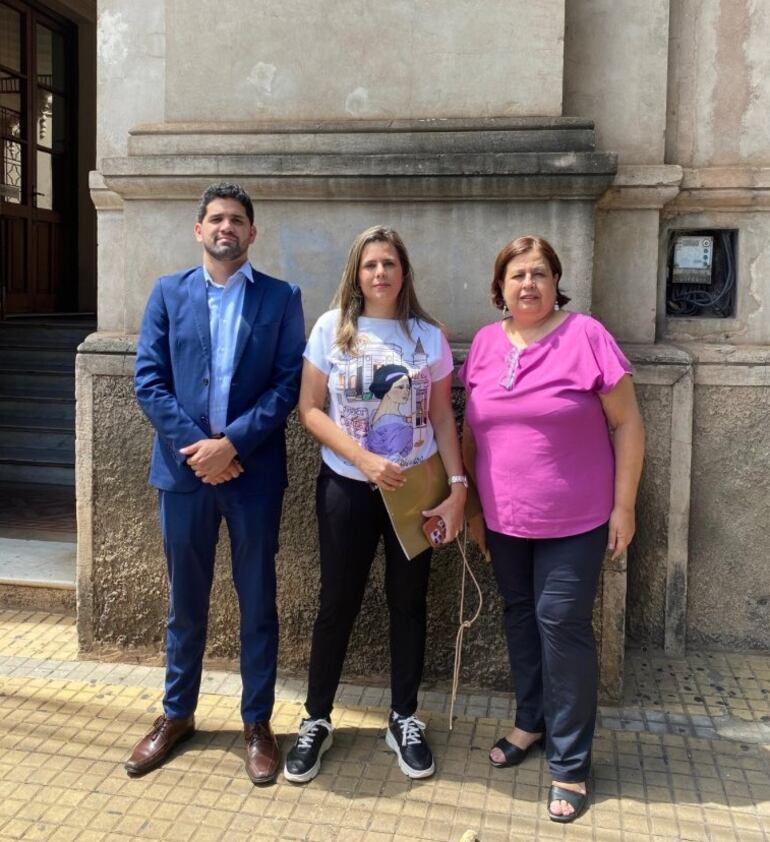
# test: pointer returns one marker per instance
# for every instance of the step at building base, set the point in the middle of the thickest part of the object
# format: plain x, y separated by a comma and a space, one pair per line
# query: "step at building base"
39, 474
26, 597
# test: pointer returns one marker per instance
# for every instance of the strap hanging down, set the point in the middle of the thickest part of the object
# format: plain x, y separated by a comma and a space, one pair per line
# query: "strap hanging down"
464, 624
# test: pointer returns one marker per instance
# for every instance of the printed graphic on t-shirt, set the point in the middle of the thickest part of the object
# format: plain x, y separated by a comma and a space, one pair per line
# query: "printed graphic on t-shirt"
383, 394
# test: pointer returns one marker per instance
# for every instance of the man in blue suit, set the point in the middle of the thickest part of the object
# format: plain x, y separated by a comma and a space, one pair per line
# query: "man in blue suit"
217, 373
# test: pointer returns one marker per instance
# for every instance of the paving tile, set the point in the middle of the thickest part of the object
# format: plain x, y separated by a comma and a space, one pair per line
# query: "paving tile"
65, 727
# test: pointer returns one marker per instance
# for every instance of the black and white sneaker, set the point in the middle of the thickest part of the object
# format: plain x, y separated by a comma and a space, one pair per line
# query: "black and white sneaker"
303, 762
405, 736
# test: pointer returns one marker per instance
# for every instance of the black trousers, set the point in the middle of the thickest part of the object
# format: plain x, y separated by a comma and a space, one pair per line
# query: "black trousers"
351, 520
548, 586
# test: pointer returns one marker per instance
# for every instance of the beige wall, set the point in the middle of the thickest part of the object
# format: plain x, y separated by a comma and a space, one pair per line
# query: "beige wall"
686, 84
304, 60
625, 273
719, 83
307, 242
131, 44
615, 72
718, 129
678, 89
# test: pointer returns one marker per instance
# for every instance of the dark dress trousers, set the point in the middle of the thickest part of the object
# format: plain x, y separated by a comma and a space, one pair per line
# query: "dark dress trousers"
173, 368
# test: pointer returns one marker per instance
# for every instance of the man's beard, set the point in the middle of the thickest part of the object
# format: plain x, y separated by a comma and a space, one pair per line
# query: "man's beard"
226, 251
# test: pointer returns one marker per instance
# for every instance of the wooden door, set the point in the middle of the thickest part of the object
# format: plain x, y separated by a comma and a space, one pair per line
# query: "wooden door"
38, 204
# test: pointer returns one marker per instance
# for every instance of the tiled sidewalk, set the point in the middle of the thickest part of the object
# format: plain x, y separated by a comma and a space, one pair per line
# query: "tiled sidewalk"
687, 758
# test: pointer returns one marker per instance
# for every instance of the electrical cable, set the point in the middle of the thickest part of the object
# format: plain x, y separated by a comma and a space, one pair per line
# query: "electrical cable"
700, 299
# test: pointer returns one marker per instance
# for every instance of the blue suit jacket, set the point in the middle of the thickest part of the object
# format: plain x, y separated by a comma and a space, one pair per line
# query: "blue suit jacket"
173, 367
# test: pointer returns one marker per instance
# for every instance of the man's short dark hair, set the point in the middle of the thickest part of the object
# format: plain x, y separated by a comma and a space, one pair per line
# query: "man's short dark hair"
226, 191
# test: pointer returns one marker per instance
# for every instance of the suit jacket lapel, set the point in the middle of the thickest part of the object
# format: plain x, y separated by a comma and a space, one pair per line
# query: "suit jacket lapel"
200, 310
252, 299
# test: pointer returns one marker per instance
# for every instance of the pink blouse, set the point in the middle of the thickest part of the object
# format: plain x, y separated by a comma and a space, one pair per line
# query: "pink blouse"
544, 461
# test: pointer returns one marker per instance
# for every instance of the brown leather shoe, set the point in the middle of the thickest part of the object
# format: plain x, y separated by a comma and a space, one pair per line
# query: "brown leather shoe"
153, 749
263, 756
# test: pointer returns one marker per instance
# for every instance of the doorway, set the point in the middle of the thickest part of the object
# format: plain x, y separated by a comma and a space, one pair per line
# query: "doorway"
38, 136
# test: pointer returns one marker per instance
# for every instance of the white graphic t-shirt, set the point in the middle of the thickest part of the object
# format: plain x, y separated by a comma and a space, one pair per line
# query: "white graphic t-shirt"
381, 394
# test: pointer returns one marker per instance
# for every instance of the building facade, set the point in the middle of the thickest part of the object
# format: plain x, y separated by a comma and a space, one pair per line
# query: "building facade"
633, 136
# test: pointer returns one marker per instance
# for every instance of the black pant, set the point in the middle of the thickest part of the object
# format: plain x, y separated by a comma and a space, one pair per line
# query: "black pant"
548, 586
351, 519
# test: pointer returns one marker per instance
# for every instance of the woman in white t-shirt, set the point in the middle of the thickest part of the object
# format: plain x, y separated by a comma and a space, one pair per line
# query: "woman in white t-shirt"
376, 393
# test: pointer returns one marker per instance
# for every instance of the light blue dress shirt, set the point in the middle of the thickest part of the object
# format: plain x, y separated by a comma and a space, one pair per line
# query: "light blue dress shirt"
225, 306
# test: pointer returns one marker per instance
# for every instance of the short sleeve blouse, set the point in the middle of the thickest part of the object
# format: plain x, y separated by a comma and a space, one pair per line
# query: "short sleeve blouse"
544, 459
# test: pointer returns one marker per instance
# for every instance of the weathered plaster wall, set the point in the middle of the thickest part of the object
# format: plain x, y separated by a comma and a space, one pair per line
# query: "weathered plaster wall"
453, 250
719, 96
130, 45
729, 587
131, 75
303, 60
124, 609
615, 72
682, 98
647, 554
130, 599
457, 190
625, 273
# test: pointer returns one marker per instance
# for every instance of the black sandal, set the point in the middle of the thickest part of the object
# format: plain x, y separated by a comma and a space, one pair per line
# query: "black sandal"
578, 800
513, 754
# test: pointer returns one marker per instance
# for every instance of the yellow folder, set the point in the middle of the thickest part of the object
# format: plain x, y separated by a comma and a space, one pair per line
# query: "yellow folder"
426, 486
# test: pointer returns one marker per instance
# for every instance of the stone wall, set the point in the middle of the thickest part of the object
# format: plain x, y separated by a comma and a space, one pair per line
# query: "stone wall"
441, 131
719, 96
680, 90
707, 442
729, 593
365, 60
306, 242
647, 555
123, 601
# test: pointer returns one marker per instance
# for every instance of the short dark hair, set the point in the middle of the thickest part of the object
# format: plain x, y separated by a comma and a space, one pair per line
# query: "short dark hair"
224, 190
522, 245
385, 377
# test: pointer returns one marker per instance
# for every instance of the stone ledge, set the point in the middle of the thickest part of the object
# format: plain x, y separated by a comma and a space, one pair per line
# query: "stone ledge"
376, 137
704, 353
103, 199
658, 354
722, 188
428, 124
438, 160
732, 375
721, 178
311, 165
642, 187
381, 177
699, 353
108, 342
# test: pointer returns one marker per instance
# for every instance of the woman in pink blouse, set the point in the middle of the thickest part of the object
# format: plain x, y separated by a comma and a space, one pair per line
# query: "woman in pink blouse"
554, 440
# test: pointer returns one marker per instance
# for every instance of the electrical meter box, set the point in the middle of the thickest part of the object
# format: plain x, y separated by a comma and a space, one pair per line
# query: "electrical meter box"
693, 260
702, 273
